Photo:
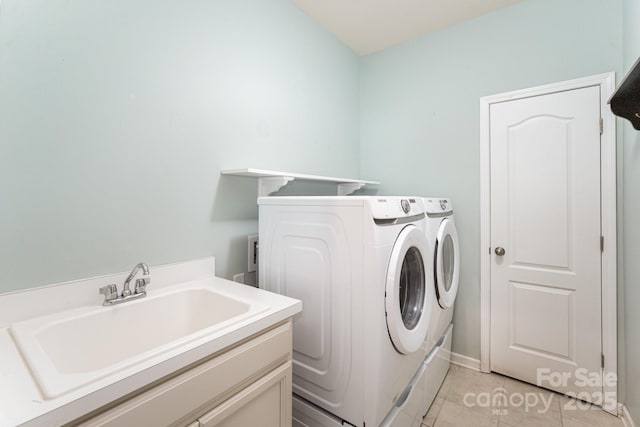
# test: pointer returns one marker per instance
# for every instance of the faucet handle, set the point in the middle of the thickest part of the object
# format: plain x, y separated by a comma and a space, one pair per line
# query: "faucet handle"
110, 293
141, 285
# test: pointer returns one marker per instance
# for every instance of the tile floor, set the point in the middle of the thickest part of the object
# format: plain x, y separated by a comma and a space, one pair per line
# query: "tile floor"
470, 398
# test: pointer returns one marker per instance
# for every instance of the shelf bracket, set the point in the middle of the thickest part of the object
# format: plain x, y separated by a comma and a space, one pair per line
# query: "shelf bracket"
346, 188
268, 185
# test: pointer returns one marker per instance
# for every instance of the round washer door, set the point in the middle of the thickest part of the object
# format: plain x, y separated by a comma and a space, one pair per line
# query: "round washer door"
407, 309
446, 263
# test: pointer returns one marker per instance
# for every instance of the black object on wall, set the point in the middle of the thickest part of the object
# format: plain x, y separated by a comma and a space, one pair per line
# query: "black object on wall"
625, 102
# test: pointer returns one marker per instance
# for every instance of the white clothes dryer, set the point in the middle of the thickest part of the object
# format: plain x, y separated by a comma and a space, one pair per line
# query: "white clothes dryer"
445, 258
361, 267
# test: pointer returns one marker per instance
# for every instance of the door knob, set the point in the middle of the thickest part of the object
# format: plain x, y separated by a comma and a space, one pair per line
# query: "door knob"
499, 251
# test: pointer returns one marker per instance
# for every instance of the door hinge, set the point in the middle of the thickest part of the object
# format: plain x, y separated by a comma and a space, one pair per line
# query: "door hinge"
601, 125
602, 360
601, 243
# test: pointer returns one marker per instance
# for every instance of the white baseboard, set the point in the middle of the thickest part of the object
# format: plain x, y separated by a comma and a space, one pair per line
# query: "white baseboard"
626, 417
465, 361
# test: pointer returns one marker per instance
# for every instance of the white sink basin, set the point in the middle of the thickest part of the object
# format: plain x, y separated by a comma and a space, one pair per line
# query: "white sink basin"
69, 349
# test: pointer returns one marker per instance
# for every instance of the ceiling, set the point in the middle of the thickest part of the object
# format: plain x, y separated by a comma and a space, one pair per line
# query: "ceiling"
368, 26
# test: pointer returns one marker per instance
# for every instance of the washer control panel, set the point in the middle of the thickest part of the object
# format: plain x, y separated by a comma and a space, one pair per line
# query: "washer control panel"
396, 207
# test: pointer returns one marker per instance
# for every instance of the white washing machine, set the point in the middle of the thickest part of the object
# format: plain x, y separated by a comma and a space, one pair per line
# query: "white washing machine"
361, 267
445, 259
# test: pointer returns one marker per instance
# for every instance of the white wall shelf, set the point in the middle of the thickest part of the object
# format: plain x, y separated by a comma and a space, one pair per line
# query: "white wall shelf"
271, 181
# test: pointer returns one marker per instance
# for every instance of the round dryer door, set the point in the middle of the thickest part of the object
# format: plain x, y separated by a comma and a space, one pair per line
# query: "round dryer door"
407, 308
446, 263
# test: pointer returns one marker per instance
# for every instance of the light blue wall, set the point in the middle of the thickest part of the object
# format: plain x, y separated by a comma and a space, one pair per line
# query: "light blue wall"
420, 107
117, 117
631, 227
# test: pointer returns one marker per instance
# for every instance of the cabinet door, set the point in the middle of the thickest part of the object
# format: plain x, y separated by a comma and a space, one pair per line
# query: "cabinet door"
184, 397
265, 403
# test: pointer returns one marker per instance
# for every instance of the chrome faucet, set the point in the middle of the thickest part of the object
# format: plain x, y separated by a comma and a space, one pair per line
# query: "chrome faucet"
140, 283
110, 292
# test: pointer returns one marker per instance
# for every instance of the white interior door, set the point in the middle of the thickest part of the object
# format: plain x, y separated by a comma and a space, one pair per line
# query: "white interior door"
545, 241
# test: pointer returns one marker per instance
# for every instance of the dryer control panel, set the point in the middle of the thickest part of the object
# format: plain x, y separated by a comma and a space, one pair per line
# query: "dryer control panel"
437, 206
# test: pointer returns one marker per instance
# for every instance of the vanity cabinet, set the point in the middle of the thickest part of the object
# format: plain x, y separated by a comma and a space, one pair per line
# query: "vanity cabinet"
244, 385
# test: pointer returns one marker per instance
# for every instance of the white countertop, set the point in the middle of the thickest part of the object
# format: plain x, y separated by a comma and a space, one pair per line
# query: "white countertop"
21, 401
